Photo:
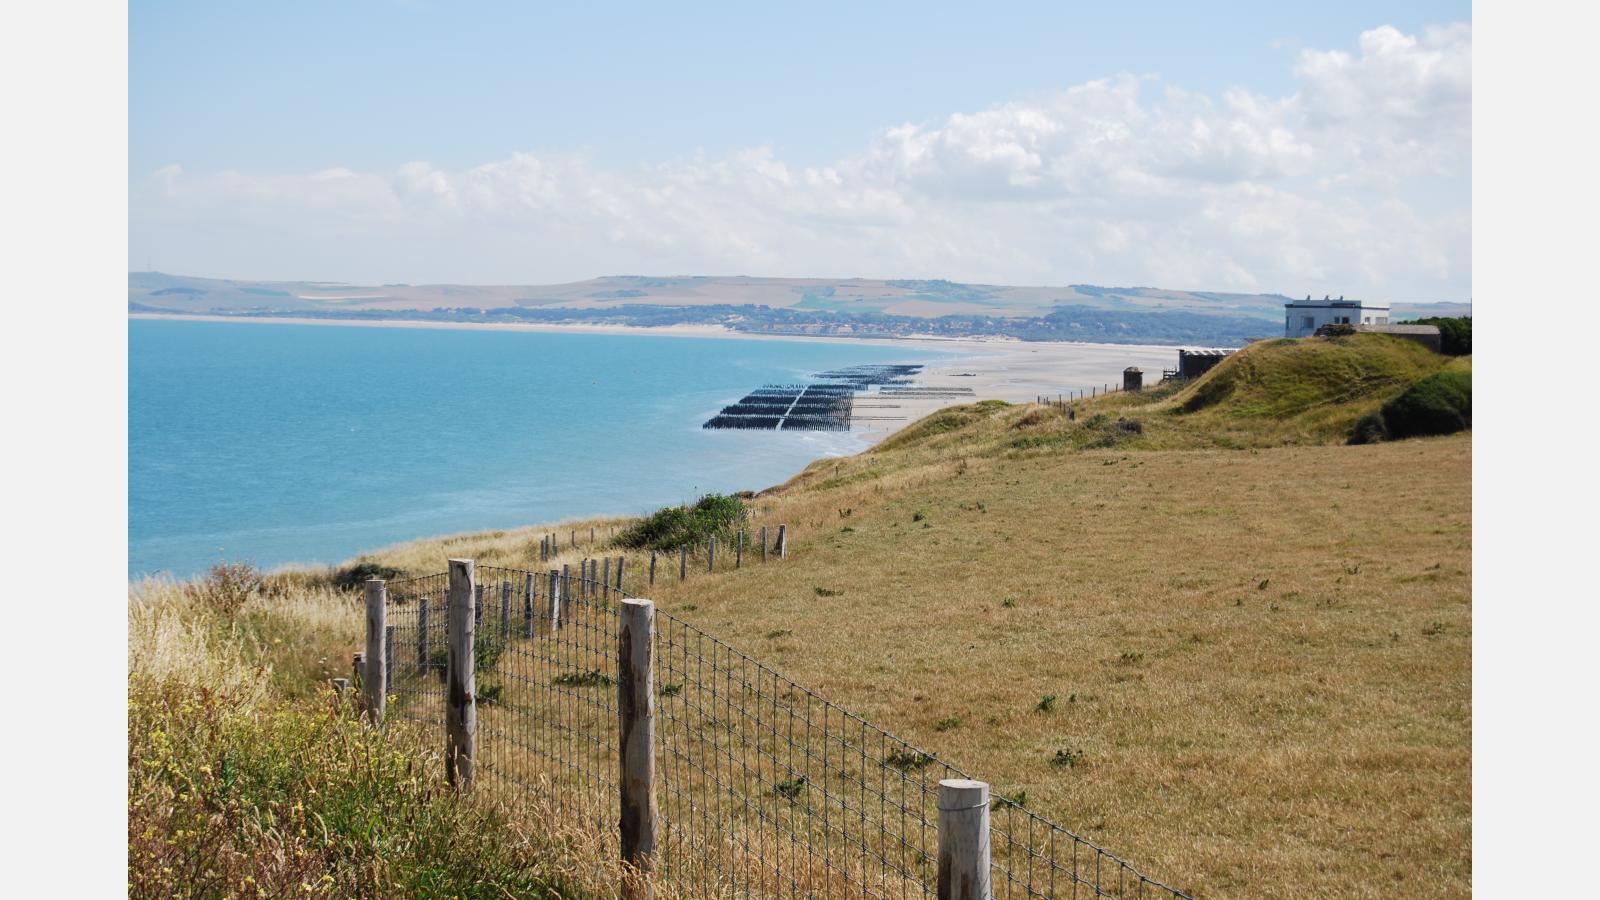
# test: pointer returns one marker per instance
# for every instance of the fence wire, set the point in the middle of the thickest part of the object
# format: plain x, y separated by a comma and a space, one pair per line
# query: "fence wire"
764, 788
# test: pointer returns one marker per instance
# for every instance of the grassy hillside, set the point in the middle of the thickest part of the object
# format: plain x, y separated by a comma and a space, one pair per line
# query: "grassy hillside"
1220, 643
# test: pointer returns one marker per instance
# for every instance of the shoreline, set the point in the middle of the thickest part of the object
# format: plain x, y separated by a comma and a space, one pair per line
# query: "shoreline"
994, 368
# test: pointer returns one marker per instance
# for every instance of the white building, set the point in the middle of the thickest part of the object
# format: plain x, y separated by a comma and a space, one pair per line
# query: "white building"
1302, 318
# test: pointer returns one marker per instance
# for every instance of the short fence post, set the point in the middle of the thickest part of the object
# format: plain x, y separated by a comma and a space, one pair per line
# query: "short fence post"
574, 539
963, 840
783, 542
566, 588
529, 589
583, 579
711, 554
652, 568
358, 666
422, 635
763, 543
372, 679
683, 562
555, 601
636, 740
591, 535
477, 605
605, 589
619, 573
461, 714
738, 550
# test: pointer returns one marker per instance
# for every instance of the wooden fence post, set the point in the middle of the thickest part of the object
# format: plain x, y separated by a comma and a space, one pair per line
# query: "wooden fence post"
358, 666
461, 713
477, 604
505, 610
591, 535
683, 562
763, 543
528, 591
711, 554
619, 573
652, 568
605, 583
963, 840
422, 635
566, 589
372, 679
738, 550
555, 601
783, 542
636, 740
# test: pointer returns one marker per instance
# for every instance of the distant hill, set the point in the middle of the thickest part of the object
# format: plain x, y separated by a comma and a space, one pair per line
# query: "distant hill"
852, 306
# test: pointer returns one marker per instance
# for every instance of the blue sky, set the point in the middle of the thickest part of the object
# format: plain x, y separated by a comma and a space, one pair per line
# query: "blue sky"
627, 101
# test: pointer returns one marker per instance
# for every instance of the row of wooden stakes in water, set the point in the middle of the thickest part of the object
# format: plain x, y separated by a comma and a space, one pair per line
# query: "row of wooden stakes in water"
590, 573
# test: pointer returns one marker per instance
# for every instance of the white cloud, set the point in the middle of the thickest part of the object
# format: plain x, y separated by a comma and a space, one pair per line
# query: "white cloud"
1356, 183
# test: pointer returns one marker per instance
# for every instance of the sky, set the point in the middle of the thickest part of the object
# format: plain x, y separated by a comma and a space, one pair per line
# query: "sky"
1275, 147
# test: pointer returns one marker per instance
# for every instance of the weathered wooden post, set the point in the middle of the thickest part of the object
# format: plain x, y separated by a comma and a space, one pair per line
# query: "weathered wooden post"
619, 573
591, 535
763, 543
636, 741
372, 679
738, 550
963, 840
711, 554
652, 568
528, 591
566, 588
683, 562
783, 542
461, 713
574, 537
605, 587
555, 601
477, 605
583, 579
358, 666
422, 635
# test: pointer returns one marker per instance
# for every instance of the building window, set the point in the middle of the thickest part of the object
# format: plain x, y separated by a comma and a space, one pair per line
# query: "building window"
1308, 322
1383, 320
1367, 321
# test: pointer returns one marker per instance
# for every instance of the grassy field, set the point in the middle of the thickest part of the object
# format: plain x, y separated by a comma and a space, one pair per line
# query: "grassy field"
1217, 641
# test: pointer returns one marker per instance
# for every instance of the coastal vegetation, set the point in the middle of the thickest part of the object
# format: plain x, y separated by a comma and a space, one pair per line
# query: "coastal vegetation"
1192, 624
713, 515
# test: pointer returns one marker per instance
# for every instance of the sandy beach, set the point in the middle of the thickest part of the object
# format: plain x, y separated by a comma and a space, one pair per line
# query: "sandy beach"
992, 368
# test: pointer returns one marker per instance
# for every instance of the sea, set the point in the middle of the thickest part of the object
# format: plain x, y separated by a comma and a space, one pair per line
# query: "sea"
286, 443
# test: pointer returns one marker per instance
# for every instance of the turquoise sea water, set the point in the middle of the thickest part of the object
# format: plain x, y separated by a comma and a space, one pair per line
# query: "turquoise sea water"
298, 443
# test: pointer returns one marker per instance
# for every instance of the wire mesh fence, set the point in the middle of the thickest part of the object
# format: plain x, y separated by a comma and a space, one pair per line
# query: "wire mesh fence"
764, 788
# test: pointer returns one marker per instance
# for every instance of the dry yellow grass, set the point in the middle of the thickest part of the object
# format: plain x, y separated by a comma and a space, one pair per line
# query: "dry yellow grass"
1261, 657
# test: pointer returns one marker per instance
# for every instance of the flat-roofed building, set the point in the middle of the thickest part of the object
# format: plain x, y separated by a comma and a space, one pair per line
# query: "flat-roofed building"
1302, 318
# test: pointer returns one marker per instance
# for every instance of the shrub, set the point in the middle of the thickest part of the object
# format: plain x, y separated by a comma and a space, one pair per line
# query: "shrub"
350, 577
225, 589
1455, 333
1438, 404
678, 526
1370, 429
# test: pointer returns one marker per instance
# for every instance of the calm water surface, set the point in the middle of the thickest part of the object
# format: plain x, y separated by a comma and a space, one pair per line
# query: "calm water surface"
300, 443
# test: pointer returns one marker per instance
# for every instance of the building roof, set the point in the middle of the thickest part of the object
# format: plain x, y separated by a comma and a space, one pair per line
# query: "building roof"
1399, 329
1204, 352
